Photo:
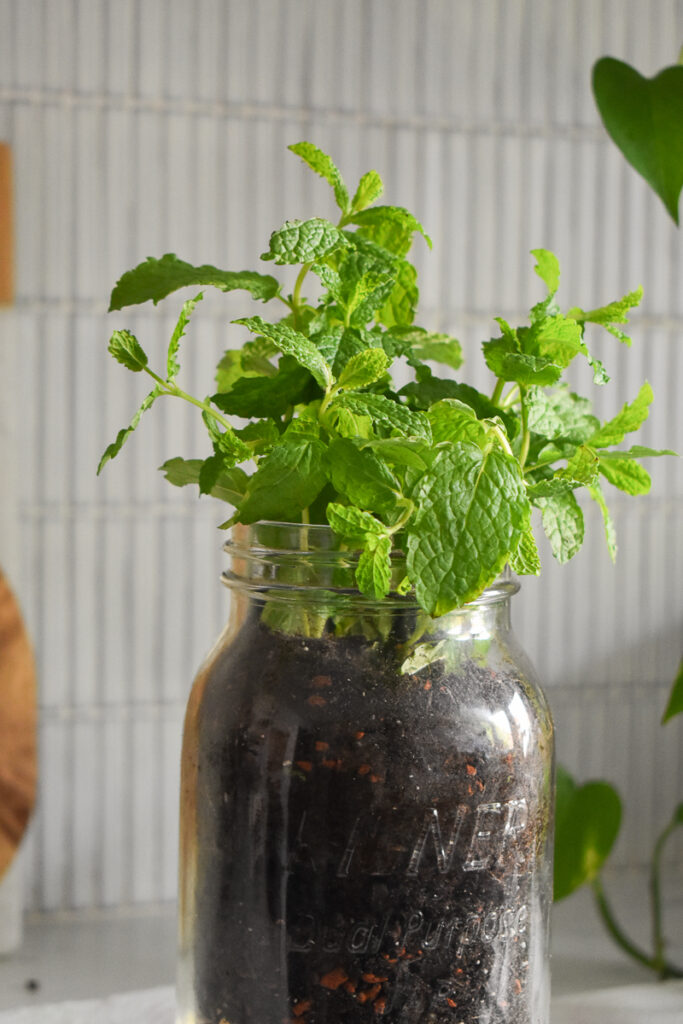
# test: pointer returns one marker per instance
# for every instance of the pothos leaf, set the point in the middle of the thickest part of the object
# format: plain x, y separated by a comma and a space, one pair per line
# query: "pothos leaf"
675, 703
585, 834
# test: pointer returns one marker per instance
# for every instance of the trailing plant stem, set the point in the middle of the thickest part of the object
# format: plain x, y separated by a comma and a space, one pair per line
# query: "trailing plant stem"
656, 897
662, 967
169, 388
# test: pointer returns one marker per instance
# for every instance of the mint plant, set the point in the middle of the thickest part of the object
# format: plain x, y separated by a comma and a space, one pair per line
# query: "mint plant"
437, 470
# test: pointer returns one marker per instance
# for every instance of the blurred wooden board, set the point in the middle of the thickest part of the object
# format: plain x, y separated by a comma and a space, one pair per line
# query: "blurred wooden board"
6, 227
18, 759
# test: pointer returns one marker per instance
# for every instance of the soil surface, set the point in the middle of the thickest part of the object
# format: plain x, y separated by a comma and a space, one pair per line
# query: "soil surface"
368, 843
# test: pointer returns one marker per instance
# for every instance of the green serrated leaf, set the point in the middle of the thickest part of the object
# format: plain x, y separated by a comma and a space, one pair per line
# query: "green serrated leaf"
402, 451
352, 523
548, 268
392, 227
644, 117
610, 533
631, 417
369, 189
350, 424
518, 367
373, 572
363, 369
675, 703
556, 338
361, 477
452, 420
626, 474
229, 486
563, 524
560, 415
582, 467
260, 436
156, 278
172, 363
287, 480
261, 397
324, 165
126, 349
584, 836
112, 450
294, 344
472, 511
400, 306
526, 561
304, 241
387, 413
636, 451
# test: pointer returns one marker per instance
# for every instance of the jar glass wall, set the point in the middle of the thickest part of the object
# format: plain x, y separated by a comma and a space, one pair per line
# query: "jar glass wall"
366, 810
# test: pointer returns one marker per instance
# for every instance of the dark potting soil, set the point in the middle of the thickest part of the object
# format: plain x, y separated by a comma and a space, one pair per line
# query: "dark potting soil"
367, 841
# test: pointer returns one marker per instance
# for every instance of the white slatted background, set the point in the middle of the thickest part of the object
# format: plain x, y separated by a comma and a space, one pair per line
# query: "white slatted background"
146, 126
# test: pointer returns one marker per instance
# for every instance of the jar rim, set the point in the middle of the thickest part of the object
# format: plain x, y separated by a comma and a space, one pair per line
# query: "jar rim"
276, 560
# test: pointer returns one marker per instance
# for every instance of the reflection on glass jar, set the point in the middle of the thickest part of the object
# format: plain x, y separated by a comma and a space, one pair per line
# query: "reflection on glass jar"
366, 804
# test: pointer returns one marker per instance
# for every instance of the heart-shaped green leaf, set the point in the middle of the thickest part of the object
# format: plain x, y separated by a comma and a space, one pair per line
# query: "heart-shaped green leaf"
587, 824
644, 116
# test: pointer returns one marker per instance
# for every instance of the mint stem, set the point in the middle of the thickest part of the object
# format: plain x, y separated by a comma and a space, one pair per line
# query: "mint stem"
498, 391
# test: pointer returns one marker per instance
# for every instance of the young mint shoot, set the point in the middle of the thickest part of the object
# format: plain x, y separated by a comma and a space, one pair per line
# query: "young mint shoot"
438, 471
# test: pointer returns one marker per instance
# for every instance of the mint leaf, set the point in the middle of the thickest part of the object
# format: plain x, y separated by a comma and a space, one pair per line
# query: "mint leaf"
172, 364
629, 419
294, 344
560, 415
370, 187
156, 278
351, 424
126, 349
364, 368
675, 705
610, 315
229, 486
361, 477
392, 227
373, 572
402, 451
610, 533
563, 524
304, 241
260, 435
636, 451
399, 308
287, 480
351, 523
260, 397
471, 512
525, 561
387, 413
582, 467
625, 474
324, 165
552, 337
548, 269
518, 367
452, 420
112, 450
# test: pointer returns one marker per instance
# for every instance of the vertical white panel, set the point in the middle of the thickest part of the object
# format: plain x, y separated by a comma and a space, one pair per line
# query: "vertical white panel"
55, 815
85, 789
116, 845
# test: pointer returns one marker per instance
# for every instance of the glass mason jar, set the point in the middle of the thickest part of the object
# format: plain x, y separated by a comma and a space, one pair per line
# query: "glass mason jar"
366, 808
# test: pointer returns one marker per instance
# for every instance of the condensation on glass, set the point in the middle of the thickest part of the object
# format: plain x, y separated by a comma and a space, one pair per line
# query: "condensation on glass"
366, 808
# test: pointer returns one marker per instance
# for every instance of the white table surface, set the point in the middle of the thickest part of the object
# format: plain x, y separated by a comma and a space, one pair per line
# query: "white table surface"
97, 954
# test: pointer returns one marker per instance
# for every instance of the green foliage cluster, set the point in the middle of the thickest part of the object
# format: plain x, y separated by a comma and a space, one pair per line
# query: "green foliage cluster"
438, 470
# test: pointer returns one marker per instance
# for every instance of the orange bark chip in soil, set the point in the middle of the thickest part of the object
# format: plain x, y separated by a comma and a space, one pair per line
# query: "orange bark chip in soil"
333, 979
